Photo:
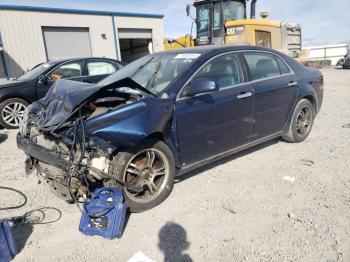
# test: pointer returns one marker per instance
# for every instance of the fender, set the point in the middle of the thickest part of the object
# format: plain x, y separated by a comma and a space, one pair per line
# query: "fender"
131, 124
305, 91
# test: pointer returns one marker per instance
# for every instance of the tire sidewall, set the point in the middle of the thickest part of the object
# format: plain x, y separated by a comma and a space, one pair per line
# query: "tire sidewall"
5, 103
293, 135
120, 162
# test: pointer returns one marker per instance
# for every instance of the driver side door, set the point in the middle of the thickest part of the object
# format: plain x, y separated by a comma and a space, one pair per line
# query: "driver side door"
212, 123
70, 71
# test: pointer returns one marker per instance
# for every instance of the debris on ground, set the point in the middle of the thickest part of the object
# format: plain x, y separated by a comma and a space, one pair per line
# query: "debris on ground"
140, 257
230, 210
289, 178
307, 162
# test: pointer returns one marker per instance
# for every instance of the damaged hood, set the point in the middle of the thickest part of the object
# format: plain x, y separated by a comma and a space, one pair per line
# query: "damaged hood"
65, 97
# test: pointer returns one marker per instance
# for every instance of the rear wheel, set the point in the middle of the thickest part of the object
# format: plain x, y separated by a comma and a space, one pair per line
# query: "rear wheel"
151, 168
302, 121
11, 112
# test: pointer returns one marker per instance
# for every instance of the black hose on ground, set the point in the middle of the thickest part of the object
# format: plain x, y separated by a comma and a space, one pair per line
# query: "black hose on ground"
18, 192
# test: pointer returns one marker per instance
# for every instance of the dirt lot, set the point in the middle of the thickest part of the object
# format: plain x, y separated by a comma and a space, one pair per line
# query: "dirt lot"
240, 209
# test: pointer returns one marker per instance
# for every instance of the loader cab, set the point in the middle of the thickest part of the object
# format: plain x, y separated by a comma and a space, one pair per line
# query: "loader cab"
212, 16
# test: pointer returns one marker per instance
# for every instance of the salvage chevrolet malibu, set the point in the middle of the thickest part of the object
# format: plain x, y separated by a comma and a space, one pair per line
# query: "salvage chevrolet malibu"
164, 115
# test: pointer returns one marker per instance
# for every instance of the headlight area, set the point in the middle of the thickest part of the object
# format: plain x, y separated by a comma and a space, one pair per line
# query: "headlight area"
70, 163
23, 125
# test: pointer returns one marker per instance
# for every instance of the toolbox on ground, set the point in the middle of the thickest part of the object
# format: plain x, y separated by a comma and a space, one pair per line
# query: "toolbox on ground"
104, 214
7, 244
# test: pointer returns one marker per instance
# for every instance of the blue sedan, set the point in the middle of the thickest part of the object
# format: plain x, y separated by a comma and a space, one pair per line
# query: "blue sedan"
164, 115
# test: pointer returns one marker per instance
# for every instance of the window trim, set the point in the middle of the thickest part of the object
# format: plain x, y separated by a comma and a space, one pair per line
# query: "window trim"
180, 97
83, 64
84, 61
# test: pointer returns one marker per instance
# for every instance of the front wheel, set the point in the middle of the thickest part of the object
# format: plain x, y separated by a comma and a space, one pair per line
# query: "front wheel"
302, 121
11, 112
151, 168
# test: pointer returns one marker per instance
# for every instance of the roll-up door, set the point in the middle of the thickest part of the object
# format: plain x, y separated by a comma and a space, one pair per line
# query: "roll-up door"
66, 42
134, 43
131, 33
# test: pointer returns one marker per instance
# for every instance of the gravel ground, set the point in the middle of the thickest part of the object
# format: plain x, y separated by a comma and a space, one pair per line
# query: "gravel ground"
238, 209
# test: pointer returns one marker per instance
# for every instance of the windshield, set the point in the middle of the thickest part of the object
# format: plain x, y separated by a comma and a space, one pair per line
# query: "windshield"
154, 72
36, 71
233, 10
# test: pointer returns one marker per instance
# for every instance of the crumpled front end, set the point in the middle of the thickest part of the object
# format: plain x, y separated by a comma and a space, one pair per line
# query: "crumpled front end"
71, 144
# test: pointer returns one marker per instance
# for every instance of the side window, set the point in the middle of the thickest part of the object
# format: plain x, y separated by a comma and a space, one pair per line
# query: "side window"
217, 15
225, 70
73, 69
263, 38
283, 67
262, 65
95, 68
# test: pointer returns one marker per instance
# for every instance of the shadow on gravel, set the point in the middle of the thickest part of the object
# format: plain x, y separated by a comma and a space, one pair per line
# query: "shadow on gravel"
173, 242
21, 233
3, 137
227, 159
24, 228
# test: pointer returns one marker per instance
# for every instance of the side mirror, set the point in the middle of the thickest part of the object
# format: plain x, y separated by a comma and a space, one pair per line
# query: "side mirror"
201, 86
43, 80
188, 9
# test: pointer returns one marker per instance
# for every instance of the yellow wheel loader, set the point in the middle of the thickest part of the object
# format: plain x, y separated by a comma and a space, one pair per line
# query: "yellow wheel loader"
225, 22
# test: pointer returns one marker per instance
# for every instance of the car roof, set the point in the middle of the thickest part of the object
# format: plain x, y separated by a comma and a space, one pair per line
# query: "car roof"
210, 48
59, 61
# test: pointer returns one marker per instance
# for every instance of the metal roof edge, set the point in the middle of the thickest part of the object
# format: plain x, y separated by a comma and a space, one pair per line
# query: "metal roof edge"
76, 11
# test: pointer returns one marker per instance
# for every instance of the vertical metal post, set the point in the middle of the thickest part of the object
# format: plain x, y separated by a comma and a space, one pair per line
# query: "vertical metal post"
116, 40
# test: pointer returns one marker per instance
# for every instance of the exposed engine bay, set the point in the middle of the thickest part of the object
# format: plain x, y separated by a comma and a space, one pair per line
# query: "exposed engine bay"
64, 157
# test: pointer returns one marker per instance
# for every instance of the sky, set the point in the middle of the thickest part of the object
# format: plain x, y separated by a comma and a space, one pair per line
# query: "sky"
322, 21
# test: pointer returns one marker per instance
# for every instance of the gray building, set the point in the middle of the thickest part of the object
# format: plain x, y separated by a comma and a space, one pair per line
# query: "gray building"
32, 35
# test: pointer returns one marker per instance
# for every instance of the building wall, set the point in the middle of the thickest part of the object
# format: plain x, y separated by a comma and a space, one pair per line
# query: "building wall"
155, 24
23, 39
327, 52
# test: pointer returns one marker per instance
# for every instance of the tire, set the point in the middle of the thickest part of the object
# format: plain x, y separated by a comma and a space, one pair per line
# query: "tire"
301, 123
15, 106
134, 159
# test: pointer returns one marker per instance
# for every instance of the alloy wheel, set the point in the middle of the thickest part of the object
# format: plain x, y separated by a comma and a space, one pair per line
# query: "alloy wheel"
149, 169
304, 121
12, 113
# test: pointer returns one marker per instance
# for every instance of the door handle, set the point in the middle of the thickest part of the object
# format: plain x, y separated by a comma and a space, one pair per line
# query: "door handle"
292, 83
244, 95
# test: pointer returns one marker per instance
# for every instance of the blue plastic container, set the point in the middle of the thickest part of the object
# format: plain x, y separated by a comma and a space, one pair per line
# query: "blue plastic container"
7, 244
104, 214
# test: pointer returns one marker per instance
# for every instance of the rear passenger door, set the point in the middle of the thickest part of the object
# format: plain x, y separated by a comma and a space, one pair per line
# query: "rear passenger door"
98, 69
275, 92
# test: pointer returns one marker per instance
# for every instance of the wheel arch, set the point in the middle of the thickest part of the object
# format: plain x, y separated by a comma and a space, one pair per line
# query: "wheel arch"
7, 97
312, 99
157, 135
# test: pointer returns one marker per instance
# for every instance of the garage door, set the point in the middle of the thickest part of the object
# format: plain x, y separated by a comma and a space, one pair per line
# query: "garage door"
134, 43
129, 33
66, 42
